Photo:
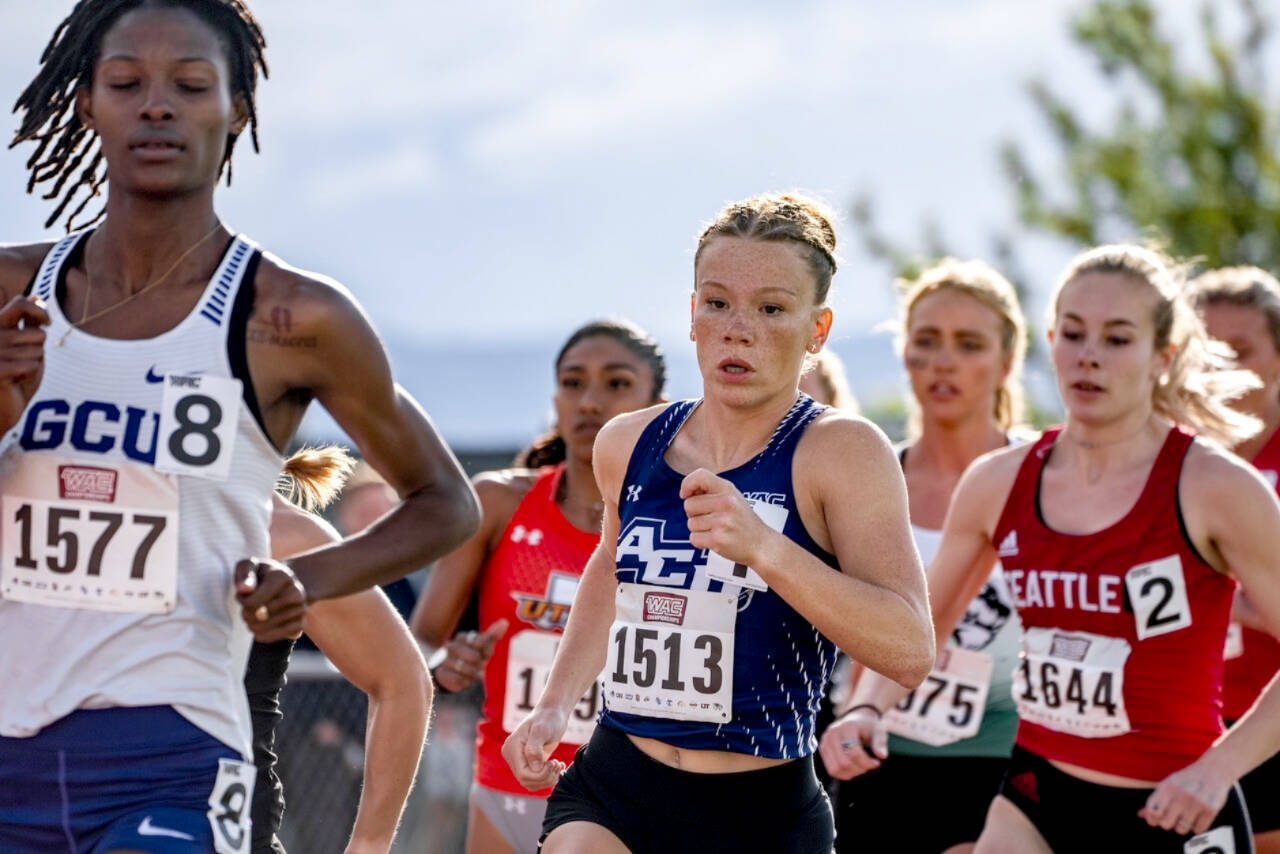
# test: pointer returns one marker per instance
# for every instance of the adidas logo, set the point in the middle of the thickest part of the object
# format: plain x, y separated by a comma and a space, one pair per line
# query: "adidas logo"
1009, 545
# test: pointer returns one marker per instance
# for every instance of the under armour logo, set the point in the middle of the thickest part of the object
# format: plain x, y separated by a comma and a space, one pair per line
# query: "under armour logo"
521, 534
633, 492
516, 805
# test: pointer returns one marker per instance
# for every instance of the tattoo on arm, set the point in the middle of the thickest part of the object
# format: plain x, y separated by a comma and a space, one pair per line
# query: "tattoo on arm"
278, 331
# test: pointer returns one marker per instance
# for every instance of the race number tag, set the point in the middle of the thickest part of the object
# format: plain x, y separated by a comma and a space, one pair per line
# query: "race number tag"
1072, 682
1219, 840
722, 569
529, 659
1158, 592
1234, 647
229, 806
671, 653
949, 705
99, 537
198, 425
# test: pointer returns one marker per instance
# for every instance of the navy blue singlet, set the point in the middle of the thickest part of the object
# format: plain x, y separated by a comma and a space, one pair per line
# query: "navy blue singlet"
781, 663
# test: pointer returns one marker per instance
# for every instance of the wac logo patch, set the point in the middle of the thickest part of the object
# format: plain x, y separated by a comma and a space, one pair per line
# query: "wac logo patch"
665, 608
87, 483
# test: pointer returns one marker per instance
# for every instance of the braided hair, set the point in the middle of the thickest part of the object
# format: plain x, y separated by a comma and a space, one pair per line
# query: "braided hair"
48, 104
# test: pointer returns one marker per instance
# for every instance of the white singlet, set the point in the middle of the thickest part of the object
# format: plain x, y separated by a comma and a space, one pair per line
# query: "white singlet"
136, 479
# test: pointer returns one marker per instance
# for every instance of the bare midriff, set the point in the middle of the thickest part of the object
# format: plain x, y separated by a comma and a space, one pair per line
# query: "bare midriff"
1102, 778
701, 761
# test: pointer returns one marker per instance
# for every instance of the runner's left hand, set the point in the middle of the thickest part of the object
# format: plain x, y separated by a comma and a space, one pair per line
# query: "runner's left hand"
272, 600
1187, 801
720, 519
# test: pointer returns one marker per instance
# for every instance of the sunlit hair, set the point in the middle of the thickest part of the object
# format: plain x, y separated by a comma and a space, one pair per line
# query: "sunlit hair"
828, 371
1247, 287
550, 449
791, 217
982, 282
48, 104
313, 477
1202, 378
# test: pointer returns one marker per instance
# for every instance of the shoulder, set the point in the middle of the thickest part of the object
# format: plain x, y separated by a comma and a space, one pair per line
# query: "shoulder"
18, 265
310, 298
840, 432
615, 442
501, 492
294, 530
992, 475
1212, 475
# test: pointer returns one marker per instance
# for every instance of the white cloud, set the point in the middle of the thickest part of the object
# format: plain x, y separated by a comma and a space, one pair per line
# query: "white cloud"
404, 170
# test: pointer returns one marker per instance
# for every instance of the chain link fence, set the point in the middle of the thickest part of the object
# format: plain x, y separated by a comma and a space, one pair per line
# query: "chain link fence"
321, 747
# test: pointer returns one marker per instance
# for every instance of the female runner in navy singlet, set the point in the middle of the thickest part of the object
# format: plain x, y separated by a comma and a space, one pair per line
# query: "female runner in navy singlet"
746, 536
152, 366
1121, 536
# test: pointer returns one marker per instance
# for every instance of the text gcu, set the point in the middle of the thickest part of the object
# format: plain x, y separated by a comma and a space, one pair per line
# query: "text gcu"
94, 427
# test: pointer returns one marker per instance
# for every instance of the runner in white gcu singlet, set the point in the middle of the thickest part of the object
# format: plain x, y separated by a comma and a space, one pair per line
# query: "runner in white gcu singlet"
141, 479
149, 371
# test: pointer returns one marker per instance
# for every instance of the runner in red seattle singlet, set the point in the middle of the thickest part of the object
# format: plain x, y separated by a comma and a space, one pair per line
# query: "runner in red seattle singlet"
1122, 667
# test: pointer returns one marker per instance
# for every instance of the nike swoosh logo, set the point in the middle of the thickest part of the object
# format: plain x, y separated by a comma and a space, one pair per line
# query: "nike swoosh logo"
153, 377
149, 829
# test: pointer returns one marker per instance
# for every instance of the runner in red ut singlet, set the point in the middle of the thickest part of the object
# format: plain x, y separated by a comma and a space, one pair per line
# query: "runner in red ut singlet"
1241, 306
1122, 537
541, 524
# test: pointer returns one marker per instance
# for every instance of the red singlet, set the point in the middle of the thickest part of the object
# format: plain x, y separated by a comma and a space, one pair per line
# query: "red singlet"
530, 579
1121, 668
1253, 656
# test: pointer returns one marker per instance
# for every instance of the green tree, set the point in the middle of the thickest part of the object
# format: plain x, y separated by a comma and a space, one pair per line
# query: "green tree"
1192, 157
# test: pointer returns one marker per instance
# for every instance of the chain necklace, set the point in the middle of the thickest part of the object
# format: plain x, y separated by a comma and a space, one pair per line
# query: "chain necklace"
85, 316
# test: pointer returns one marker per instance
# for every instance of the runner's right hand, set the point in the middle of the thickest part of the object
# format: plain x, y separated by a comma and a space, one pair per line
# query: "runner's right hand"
854, 744
528, 750
467, 653
21, 356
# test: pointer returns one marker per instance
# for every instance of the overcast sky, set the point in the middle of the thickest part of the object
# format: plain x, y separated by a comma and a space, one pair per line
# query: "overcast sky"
505, 171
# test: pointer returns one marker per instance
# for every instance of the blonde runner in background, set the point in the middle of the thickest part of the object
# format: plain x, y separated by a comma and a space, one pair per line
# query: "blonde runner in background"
963, 341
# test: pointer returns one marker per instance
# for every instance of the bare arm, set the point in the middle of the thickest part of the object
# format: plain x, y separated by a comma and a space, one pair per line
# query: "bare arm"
875, 608
21, 336
331, 353
582, 653
1233, 516
365, 638
453, 579
955, 576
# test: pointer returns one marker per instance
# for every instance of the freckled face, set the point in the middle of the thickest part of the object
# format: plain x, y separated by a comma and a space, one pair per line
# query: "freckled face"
1245, 330
754, 318
953, 356
161, 102
1103, 346
598, 378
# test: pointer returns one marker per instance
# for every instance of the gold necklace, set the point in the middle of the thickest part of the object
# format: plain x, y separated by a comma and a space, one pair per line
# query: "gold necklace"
85, 316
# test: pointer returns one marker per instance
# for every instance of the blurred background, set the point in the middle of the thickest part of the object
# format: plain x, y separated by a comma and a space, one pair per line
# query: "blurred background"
486, 176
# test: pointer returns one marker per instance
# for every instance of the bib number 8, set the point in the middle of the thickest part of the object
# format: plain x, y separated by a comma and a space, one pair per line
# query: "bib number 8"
198, 422
202, 429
